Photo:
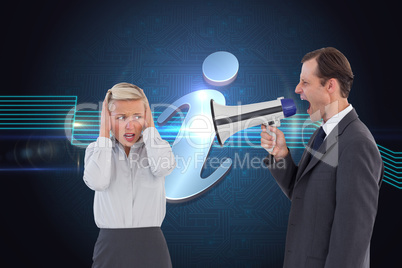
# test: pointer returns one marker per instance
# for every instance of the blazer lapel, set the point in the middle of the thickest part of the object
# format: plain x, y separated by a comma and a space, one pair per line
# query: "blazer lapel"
304, 160
332, 139
317, 156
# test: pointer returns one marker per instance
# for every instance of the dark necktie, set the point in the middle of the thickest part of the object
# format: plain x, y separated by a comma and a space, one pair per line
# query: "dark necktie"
318, 140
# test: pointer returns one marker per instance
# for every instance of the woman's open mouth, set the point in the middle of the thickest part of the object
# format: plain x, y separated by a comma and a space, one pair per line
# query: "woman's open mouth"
129, 137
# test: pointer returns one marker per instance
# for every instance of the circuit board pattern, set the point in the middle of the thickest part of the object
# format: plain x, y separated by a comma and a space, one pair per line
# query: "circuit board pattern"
241, 222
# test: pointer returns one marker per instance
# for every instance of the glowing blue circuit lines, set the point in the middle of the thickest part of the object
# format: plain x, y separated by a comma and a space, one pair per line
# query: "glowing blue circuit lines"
36, 112
392, 172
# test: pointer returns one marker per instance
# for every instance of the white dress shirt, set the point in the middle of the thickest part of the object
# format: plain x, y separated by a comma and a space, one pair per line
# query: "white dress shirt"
330, 125
129, 191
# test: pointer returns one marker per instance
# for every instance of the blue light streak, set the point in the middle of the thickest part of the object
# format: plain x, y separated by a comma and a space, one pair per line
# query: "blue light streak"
84, 126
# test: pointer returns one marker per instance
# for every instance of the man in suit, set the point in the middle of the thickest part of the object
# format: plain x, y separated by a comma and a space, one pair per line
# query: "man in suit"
334, 189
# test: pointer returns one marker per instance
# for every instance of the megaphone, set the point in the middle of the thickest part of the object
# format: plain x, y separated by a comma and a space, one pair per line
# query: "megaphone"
230, 119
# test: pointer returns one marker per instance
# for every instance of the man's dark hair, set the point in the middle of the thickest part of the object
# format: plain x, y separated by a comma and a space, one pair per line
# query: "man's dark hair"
332, 64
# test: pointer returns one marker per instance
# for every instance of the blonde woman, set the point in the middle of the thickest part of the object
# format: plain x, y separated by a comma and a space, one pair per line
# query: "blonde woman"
127, 172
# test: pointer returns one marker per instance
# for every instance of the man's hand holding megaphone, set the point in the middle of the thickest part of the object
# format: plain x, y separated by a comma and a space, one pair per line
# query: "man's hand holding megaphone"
269, 141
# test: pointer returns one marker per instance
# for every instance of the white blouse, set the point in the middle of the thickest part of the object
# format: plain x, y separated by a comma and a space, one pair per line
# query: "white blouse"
129, 191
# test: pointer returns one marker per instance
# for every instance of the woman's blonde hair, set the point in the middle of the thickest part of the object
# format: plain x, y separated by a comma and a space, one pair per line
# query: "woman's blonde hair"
125, 91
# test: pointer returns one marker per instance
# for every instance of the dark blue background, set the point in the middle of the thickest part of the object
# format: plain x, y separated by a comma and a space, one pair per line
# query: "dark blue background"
82, 49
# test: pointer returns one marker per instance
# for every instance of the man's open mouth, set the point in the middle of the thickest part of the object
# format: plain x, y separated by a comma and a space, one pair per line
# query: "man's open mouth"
309, 104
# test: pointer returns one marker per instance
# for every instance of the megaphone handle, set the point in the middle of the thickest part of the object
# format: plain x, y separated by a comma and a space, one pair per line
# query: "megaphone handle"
271, 123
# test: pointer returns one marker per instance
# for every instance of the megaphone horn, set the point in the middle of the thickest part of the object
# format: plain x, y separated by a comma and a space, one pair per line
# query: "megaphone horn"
230, 119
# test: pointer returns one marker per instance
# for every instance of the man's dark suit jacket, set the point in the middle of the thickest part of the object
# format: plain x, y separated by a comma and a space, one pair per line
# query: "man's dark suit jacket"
334, 198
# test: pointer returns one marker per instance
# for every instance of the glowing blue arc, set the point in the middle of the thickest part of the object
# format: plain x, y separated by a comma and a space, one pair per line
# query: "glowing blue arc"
192, 148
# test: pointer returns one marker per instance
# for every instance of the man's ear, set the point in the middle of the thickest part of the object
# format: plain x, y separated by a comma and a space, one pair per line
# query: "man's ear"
332, 85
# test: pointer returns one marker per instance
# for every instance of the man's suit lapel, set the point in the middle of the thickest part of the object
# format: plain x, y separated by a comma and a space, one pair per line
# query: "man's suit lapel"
304, 161
305, 165
328, 143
